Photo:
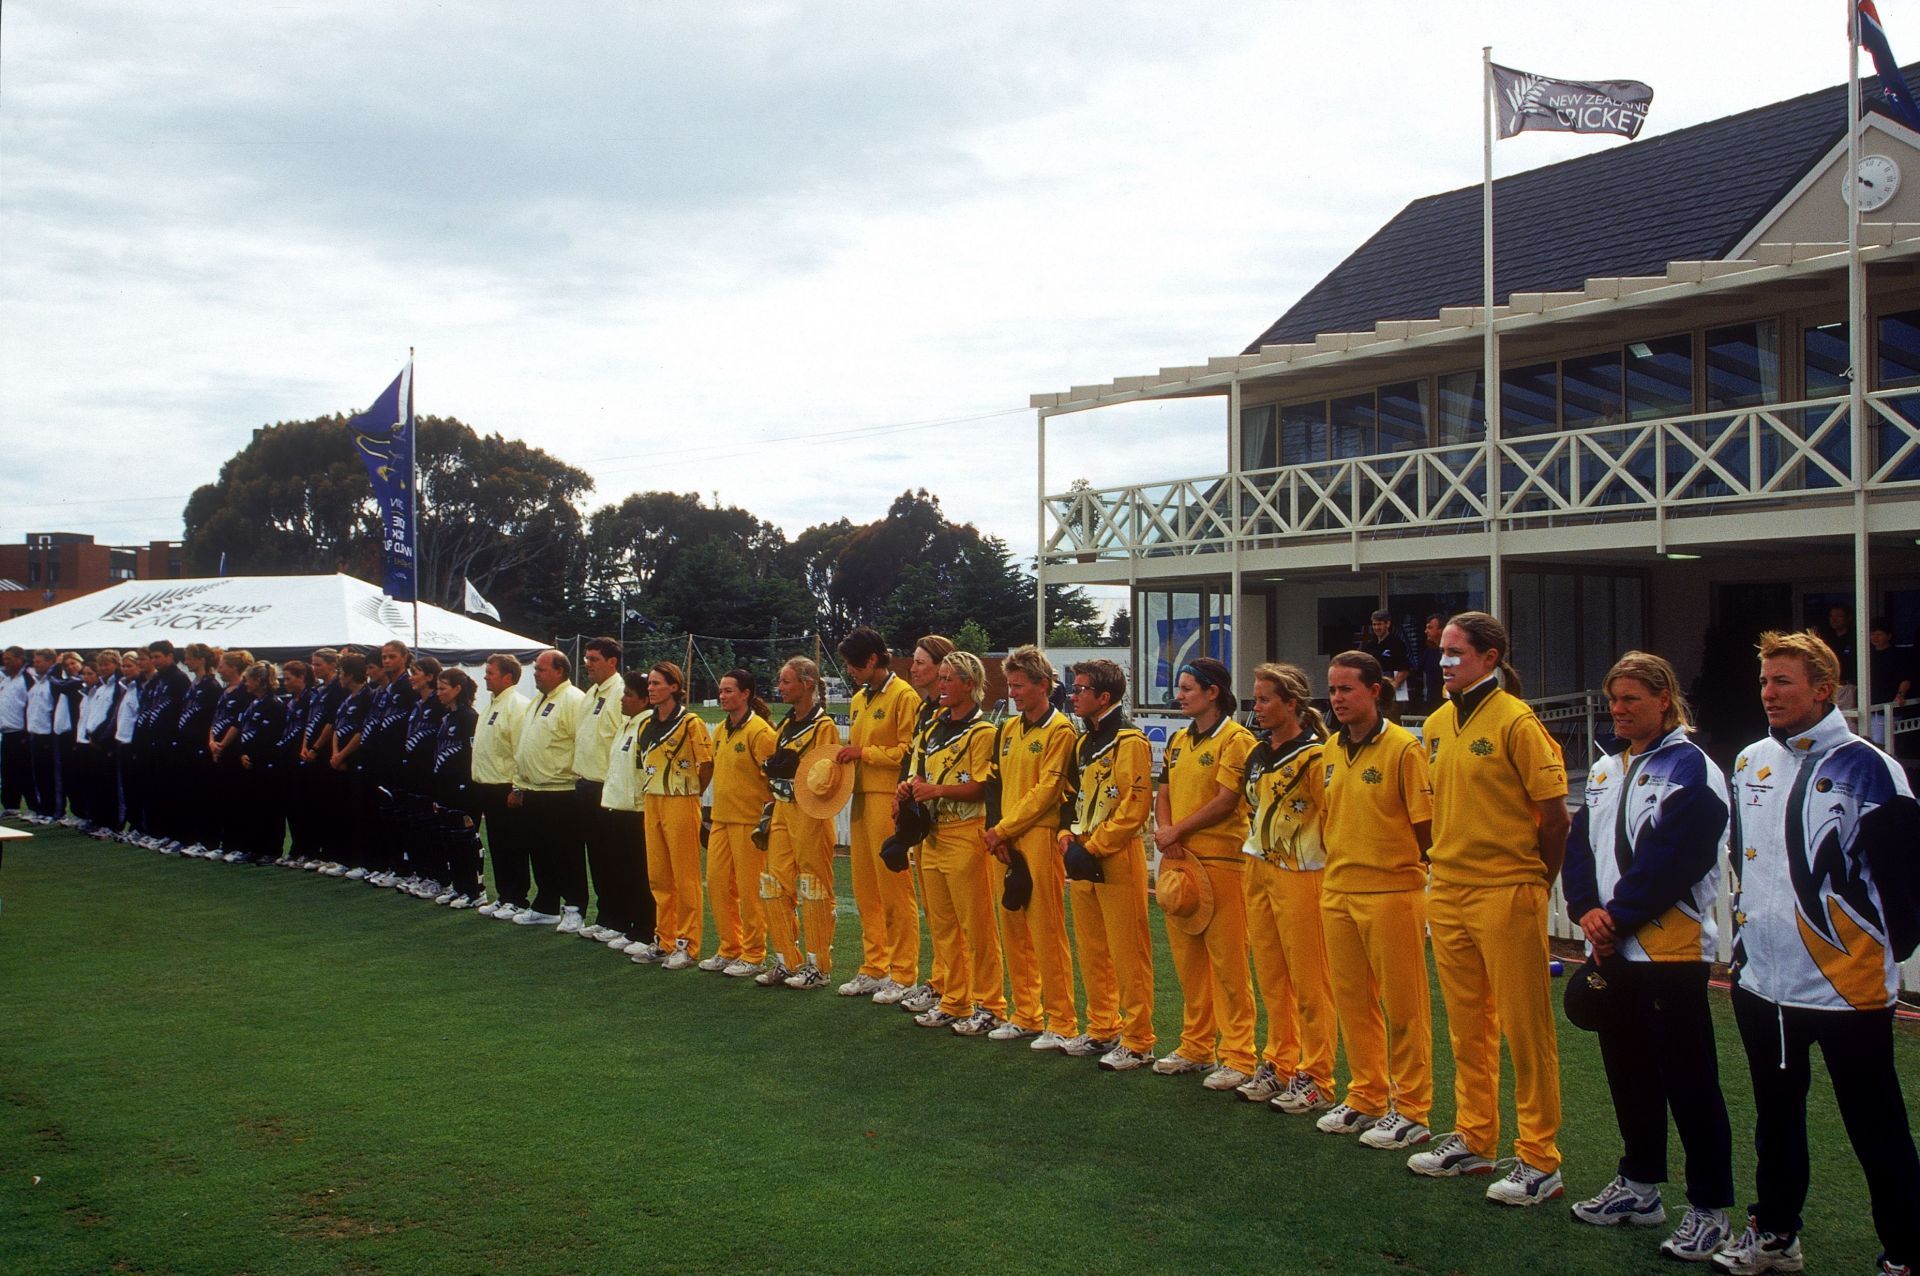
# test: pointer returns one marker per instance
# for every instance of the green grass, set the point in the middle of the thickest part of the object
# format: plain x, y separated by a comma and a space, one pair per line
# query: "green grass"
212, 1069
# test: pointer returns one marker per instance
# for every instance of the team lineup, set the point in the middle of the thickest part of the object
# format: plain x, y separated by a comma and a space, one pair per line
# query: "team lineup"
1306, 867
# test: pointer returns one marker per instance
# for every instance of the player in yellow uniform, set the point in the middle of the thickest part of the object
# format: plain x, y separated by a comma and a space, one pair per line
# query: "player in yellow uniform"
1200, 811
676, 761
798, 881
1034, 754
1285, 864
924, 673
622, 805
1373, 910
1500, 826
742, 744
1107, 866
880, 725
950, 765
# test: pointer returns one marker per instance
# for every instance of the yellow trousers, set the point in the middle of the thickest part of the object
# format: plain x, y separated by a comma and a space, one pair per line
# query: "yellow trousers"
1490, 951
1115, 946
1039, 963
1377, 950
673, 868
889, 914
1290, 962
1216, 990
734, 865
960, 908
798, 888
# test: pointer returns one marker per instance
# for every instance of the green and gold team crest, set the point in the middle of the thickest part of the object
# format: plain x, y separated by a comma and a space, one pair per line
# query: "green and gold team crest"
1206, 759
879, 713
1481, 748
1371, 775
739, 746
1033, 746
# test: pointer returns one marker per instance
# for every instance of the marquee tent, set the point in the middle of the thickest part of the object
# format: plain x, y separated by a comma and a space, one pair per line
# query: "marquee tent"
274, 617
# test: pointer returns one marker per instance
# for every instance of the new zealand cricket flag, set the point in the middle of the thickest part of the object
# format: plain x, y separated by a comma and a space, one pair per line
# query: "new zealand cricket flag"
1894, 94
384, 436
1569, 106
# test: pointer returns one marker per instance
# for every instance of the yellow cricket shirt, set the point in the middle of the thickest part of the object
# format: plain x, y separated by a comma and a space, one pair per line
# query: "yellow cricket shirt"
1113, 789
1197, 766
951, 752
1032, 765
672, 751
740, 788
543, 759
881, 725
1284, 788
1374, 795
599, 721
1488, 770
796, 736
495, 734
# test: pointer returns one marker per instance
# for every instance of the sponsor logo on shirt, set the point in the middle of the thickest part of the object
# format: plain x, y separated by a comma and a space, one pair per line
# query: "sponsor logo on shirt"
1481, 748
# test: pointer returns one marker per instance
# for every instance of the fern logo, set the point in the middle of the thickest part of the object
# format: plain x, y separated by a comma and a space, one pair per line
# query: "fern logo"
1522, 93
128, 610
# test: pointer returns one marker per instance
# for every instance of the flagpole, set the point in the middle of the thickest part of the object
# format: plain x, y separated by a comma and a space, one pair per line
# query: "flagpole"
413, 497
1490, 342
1857, 381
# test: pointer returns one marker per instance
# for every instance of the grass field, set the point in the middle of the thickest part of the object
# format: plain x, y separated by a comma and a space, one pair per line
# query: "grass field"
212, 1069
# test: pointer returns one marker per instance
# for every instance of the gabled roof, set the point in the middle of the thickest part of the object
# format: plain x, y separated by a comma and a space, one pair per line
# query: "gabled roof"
1689, 195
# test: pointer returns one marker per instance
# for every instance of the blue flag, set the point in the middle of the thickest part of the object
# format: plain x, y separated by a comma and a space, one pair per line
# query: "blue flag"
1894, 94
384, 436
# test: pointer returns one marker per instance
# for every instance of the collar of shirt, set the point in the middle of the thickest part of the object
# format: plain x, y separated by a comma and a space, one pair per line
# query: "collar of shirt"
1353, 746
1197, 736
1830, 730
1473, 697
1266, 756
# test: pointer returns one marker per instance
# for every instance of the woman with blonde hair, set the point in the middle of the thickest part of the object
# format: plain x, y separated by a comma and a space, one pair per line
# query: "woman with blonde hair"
676, 761
798, 882
226, 821
949, 766
923, 671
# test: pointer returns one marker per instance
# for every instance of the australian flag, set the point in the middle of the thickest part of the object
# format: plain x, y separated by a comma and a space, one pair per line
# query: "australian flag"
1894, 95
384, 436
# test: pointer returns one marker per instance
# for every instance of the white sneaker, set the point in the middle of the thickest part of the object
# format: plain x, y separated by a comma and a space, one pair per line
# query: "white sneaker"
596, 932
919, 999
1699, 1237
636, 946
1622, 1201
571, 923
1263, 1085
648, 954
508, 912
233, 857
336, 869
459, 903
1525, 1185
714, 964
1048, 1041
807, 978
1225, 1078
1449, 1158
773, 976
861, 985
978, 1024
1757, 1251
491, 907
1086, 1047
528, 917
356, 875
616, 941
890, 992
744, 969
1302, 1096
1121, 1059
1011, 1032
1395, 1131
1177, 1065
1345, 1119
935, 1018
678, 959
446, 897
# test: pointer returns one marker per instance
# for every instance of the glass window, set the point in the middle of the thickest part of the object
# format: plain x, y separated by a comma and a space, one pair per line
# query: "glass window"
1403, 416
1590, 390
1743, 365
1558, 634
1659, 377
1463, 408
1303, 433
1353, 425
1596, 617
1900, 349
1259, 438
1825, 351
1529, 400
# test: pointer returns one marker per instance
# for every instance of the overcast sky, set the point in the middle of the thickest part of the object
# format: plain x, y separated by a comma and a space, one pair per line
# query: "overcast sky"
799, 255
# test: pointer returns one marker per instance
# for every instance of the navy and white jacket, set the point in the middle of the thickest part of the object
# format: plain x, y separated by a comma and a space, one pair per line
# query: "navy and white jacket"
1647, 848
196, 715
453, 759
416, 748
263, 724
13, 698
1825, 841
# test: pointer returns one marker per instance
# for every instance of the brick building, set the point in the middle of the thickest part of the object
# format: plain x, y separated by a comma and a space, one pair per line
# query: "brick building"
52, 567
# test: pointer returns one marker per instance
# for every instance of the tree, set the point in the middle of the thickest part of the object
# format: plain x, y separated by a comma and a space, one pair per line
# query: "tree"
1065, 636
1120, 628
971, 637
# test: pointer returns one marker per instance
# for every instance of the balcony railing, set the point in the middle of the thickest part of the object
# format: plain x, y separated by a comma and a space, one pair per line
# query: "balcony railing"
1746, 457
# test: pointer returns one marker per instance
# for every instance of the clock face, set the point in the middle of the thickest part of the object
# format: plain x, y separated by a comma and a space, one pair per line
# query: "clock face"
1877, 179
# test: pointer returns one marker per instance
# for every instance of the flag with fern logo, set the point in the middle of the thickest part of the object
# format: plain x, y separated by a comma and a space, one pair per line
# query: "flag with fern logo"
1527, 101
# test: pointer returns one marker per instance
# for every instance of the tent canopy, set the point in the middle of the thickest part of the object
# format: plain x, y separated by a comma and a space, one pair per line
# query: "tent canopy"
274, 617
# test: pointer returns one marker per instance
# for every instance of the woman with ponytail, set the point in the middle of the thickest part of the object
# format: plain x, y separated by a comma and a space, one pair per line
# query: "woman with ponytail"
741, 747
676, 762
798, 882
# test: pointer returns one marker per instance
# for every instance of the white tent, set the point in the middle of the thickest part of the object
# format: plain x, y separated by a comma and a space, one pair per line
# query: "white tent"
274, 617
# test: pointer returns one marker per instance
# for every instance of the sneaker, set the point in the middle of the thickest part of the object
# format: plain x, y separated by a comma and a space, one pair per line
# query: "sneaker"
808, 978
714, 964
233, 857
647, 954
633, 946
336, 869
1302, 1097
1449, 1158
919, 1000
772, 976
678, 959
891, 992
743, 969
935, 1018
446, 896
859, 986
1525, 1185
460, 903
1047, 1041
1121, 1059
1345, 1119
1225, 1078
489, 907
1263, 1085
1012, 1032
1085, 1047
1395, 1131
596, 932
616, 941
571, 922
356, 875
1622, 1201
978, 1024
199, 851
527, 917
1757, 1251
1177, 1065
1700, 1235
1887, 1267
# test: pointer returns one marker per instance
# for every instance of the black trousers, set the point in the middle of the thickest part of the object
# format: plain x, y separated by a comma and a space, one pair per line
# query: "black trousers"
45, 751
612, 879
108, 812
302, 825
134, 768
16, 772
639, 911
506, 844
1858, 1048
553, 841
69, 788
1661, 1058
